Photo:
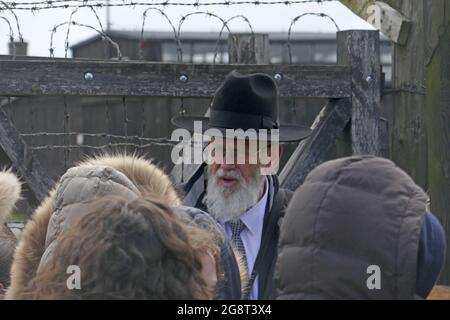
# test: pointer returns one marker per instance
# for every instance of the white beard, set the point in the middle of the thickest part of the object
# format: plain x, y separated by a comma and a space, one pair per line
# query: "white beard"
228, 206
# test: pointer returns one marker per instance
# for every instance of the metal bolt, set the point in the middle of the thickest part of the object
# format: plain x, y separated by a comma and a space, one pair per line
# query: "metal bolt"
369, 79
184, 78
88, 76
278, 77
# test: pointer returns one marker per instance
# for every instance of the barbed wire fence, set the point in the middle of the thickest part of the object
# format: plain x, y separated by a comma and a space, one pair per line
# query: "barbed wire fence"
66, 4
72, 142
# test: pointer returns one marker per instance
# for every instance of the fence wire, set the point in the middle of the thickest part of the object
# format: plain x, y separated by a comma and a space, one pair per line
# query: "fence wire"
10, 7
66, 4
69, 141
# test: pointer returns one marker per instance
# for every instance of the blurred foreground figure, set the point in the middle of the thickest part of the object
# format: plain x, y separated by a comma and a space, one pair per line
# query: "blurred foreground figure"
124, 249
10, 189
440, 293
359, 228
125, 176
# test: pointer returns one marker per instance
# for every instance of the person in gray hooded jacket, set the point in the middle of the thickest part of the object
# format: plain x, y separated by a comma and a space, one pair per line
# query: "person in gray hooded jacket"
359, 228
127, 176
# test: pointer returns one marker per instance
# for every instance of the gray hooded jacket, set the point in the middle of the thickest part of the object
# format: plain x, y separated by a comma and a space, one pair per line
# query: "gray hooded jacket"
351, 217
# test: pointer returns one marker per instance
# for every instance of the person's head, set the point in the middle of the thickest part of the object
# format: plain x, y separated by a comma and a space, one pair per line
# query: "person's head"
358, 228
236, 179
244, 105
149, 179
135, 249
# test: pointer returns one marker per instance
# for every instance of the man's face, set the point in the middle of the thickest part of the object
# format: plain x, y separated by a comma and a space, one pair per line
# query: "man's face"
227, 174
235, 165
235, 182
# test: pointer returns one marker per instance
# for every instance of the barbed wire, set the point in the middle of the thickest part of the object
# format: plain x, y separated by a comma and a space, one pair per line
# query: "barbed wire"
11, 36
162, 13
99, 135
15, 18
106, 146
208, 14
297, 18
94, 5
66, 46
139, 142
101, 33
216, 50
66, 4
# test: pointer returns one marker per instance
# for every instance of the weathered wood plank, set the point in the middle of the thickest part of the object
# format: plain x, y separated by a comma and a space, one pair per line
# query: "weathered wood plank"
392, 23
247, 48
361, 50
310, 153
406, 104
438, 117
110, 78
23, 159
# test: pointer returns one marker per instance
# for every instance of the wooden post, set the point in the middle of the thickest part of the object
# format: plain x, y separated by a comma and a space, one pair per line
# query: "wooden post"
438, 115
361, 50
248, 48
405, 105
310, 153
419, 106
243, 49
23, 159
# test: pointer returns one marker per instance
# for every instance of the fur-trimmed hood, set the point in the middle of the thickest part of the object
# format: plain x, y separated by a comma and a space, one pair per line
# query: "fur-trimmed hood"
124, 175
10, 189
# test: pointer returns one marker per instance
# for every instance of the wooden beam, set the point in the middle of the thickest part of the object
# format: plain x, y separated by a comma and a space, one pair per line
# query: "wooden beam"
438, 115
361, 50
383, 17
313, 151
23, 159
110, 78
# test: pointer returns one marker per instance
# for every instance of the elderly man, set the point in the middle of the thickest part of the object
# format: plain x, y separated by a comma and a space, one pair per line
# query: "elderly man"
240, 194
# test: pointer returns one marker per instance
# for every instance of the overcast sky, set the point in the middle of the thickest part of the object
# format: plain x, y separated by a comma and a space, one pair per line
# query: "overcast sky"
36, 28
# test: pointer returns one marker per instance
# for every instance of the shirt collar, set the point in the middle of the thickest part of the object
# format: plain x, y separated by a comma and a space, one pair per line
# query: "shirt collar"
253, 218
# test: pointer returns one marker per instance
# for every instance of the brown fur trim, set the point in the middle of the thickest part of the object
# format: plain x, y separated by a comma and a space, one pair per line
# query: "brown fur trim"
30, 249
10, 189
147, 177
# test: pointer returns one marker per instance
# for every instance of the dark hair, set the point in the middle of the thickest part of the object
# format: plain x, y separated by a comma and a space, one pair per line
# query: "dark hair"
125, 250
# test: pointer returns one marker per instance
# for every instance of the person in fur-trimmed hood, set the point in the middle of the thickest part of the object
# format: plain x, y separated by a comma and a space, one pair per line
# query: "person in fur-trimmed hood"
10, 189
122, 175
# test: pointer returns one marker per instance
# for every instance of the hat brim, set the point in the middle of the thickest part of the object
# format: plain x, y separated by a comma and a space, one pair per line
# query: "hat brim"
288, 133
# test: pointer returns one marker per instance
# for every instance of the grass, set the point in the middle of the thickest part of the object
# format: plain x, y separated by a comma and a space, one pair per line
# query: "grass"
18, 217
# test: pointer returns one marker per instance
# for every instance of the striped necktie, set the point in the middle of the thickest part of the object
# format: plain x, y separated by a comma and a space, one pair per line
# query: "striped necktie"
236, 229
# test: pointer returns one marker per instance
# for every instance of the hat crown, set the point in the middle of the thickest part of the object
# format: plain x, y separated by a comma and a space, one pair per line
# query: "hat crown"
245, 102
253, 94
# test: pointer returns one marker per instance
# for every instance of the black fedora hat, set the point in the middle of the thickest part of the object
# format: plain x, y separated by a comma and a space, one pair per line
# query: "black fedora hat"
245, 102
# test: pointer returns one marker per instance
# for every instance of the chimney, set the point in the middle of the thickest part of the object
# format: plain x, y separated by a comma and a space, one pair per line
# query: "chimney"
21, 48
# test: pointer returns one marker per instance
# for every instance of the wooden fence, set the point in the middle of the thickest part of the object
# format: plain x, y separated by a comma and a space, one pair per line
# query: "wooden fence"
352, 87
